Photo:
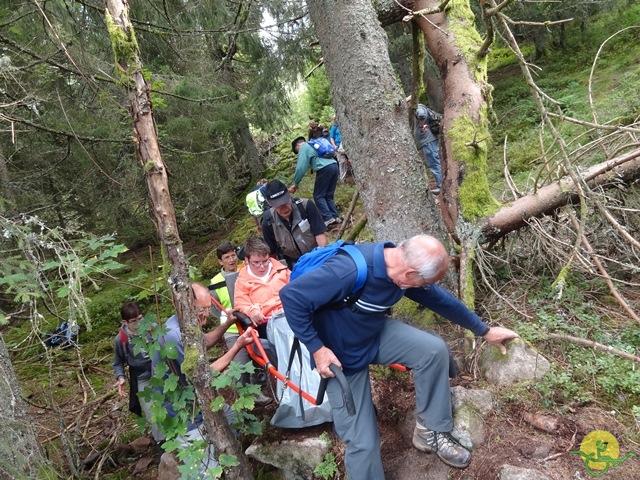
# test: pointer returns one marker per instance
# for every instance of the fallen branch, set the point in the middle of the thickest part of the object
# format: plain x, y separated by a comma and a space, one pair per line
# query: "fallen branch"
358, 227
592, 344
347, 215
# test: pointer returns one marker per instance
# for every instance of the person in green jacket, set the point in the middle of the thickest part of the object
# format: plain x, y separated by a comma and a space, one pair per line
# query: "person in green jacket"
324, 188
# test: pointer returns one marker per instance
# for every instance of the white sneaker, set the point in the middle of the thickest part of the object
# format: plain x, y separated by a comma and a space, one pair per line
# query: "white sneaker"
331, 221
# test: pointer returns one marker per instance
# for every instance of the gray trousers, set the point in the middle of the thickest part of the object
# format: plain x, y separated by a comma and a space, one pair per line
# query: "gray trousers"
158, 436
428, 356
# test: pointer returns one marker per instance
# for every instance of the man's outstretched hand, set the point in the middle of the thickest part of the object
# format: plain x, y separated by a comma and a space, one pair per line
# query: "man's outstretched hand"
496, 336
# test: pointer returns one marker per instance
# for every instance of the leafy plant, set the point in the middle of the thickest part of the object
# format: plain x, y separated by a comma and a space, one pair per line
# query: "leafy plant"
327, 468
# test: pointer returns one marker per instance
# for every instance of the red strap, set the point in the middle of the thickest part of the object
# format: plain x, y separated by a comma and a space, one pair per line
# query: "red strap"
123, 337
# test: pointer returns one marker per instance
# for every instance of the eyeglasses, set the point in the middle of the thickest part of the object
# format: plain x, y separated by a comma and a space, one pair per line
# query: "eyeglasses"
263, 263
134, 320
203, 309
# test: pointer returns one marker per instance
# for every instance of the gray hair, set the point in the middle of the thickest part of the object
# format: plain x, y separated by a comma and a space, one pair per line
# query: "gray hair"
426, 255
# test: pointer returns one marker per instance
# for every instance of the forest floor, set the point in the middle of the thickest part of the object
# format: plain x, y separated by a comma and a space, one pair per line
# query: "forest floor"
110, 449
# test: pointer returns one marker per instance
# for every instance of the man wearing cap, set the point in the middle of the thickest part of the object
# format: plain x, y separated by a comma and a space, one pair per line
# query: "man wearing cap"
292, 226
324, 187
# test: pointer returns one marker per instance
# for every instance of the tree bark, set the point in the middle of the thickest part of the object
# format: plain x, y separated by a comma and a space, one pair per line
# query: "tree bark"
129, 66
21, 456
373, 113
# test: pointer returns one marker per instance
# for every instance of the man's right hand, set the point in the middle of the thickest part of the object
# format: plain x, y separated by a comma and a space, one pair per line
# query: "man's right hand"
121, 391
323, 358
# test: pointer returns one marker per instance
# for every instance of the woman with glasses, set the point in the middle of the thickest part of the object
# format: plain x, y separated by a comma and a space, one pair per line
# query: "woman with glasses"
257, 294
258, 284
139, 365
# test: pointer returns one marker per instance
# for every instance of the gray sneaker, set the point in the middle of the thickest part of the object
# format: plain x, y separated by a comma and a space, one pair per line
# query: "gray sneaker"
442, 444
262, 400
331, 221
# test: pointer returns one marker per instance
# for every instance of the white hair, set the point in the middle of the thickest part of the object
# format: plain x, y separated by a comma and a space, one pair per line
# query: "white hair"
426, 255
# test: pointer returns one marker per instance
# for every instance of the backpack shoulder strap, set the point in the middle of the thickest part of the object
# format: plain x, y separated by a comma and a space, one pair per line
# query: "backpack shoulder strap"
361, 265
124, 344
358, 288
302, 206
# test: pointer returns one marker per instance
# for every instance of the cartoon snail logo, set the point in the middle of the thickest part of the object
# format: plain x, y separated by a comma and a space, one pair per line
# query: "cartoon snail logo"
600, 451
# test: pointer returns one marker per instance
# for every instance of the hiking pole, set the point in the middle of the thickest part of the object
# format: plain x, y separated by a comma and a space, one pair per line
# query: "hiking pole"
347, 396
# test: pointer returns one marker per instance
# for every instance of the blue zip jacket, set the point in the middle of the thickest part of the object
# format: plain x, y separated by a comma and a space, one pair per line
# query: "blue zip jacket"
354, 334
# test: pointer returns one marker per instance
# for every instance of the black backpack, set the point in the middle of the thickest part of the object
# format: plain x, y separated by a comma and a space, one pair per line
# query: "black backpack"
433, 121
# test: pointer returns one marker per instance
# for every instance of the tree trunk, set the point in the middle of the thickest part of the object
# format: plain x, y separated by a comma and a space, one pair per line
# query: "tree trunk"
21, 456
246, 150
5, 183
389, 172
129, 66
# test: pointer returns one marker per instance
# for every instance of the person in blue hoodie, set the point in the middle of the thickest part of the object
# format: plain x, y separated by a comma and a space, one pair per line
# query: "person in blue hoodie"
360, 334
324, 187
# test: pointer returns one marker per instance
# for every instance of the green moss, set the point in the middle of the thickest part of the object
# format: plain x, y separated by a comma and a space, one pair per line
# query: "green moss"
474, 194
150, 166
407, 309
468, 293
190, 363
123, 43
467, 38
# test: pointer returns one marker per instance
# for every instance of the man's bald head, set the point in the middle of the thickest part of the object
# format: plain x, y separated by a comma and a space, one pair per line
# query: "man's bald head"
426, 255
201, 302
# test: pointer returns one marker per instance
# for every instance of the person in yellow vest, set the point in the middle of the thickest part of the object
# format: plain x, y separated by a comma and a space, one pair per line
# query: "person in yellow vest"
228, 260
255, 201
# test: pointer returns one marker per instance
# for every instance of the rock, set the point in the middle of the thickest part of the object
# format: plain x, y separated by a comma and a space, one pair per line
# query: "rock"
168, 468
141, 444
123, 453
509, 472
534, 450
519, 364
481, 400
468, 427
297, 459
469, 409
142, 465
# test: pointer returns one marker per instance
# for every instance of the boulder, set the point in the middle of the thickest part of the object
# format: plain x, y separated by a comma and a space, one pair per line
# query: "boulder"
297, 459
519, 364
469, 409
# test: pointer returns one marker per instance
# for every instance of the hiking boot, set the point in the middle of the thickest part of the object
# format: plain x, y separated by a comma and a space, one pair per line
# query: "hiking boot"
262, 400
331, 221
442, 444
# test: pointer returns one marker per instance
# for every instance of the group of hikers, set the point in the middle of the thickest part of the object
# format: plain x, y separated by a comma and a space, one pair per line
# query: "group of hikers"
338, 325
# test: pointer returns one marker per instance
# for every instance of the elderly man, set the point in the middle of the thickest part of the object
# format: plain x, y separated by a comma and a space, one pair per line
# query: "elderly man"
291, 227
362, 334
202, 304
324, 188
